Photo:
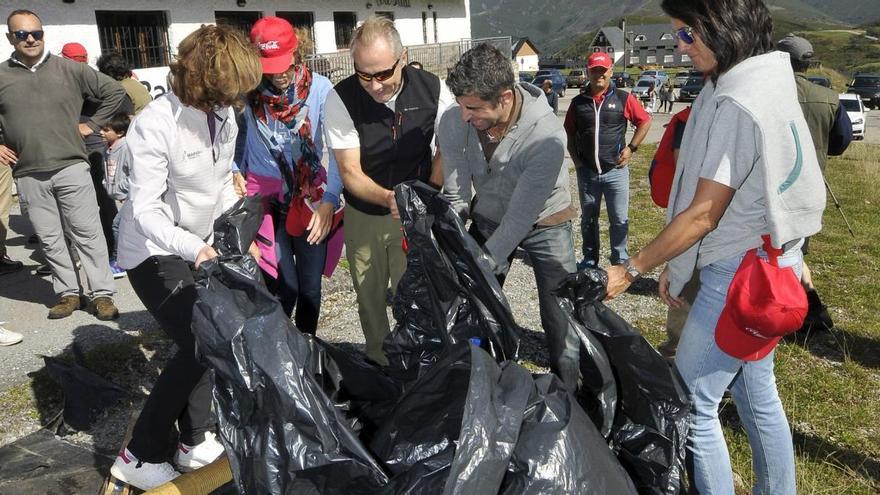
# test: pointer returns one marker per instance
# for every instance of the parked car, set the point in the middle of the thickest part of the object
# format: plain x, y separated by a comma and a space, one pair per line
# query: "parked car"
544, 72
855, 108
640, 90
691, 88
681, 78
526, 77
820, 80
867, 86
622, 79
659, 75
558, 82
576, 78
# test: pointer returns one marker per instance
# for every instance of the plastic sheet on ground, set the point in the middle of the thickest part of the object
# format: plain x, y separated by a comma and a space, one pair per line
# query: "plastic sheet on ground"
87, 395
649, 428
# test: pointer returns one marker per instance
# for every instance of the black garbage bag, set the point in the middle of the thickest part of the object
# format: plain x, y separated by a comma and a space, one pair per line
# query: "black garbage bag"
560, 450
650, 421
236, 228
275, 420
86, 394
448, 293
455, 428
362, 390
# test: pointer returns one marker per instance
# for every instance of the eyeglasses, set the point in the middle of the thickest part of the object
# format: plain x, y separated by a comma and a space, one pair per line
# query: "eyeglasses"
383, 75
23, 35
685, 34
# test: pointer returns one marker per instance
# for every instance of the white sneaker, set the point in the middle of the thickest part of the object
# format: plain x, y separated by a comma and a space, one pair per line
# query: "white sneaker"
141, 475
189, 457
8, 337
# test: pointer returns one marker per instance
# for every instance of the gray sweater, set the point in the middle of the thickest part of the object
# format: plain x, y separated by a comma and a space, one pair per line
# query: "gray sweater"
524, 182
748, 133
40, 110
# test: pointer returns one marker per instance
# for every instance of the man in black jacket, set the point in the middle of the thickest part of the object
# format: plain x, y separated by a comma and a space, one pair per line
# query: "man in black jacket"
596, 124
380, 125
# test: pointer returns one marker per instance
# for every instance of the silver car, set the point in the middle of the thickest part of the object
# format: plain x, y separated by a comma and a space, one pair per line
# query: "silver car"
640, 90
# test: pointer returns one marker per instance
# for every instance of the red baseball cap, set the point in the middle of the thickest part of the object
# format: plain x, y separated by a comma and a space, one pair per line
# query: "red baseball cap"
764, 303
75, 51
276, 40
599, 59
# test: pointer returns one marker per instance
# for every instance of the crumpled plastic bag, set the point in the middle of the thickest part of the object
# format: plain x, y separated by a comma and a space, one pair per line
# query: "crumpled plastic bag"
292, 408
448, 293
236, 228
651, 403
275, 420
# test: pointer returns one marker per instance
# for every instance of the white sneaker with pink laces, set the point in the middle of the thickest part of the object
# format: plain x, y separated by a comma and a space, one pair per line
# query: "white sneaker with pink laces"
190, 457
142, 475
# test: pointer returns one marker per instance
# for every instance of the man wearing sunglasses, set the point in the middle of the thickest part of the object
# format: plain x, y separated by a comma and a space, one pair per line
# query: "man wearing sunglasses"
41, 96
380, 125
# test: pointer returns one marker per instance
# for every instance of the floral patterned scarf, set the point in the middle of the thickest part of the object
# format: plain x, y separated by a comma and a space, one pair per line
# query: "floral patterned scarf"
289, 108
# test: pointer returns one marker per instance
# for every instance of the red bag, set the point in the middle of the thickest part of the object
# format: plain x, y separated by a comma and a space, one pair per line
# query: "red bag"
301, 210
764, 303
662, 170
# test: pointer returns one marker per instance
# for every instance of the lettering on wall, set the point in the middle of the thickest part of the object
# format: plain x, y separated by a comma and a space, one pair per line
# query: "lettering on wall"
393, 3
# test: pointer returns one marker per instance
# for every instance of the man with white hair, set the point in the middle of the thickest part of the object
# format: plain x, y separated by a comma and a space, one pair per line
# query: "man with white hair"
380, 125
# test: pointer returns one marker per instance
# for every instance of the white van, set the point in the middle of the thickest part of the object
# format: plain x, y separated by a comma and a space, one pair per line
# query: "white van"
855, 108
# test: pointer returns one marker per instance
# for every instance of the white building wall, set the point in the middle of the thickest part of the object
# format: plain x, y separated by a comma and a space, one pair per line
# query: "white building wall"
527, 63
65, 22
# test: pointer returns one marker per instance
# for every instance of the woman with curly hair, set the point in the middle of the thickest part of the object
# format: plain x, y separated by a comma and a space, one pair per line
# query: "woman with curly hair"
181, 180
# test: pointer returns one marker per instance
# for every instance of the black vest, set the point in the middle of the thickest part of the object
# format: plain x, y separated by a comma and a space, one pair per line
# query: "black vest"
612, 128
395, 146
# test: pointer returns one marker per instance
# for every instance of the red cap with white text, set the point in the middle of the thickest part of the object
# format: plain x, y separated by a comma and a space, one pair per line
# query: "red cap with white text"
276, 41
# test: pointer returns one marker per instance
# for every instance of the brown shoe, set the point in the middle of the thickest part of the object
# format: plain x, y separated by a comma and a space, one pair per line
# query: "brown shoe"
65, 307
103, 308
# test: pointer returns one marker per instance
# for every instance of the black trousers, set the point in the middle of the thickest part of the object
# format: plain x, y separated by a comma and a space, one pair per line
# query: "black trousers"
182, 392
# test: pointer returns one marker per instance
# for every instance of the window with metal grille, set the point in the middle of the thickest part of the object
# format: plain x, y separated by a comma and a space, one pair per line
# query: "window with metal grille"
301, 20
240, 20
139, 36
434, 18
344, 24
425, 28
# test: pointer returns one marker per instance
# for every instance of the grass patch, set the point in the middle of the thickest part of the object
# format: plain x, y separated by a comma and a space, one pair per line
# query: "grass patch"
829, 384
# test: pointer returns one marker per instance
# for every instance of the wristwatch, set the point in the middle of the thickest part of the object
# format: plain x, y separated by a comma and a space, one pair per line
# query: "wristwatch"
633, 147
631, 270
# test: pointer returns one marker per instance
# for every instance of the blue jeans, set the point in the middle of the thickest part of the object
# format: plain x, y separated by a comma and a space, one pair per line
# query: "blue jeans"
708, 372
614, 185
551, 253
300, 266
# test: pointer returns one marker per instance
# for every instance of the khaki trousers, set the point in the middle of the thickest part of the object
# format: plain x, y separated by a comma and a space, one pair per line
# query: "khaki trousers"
63, 203
373, 247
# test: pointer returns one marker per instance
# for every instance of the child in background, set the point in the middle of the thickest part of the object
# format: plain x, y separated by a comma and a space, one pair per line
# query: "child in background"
117, 171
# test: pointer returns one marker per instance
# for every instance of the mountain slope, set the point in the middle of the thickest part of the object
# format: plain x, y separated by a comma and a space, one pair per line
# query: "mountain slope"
555, 24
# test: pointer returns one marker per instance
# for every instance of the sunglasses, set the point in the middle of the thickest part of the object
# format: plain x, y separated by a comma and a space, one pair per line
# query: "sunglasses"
24, 35
685, 34
383, 75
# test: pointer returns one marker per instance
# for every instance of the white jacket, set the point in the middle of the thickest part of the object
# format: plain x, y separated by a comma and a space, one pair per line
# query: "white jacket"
180, 181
